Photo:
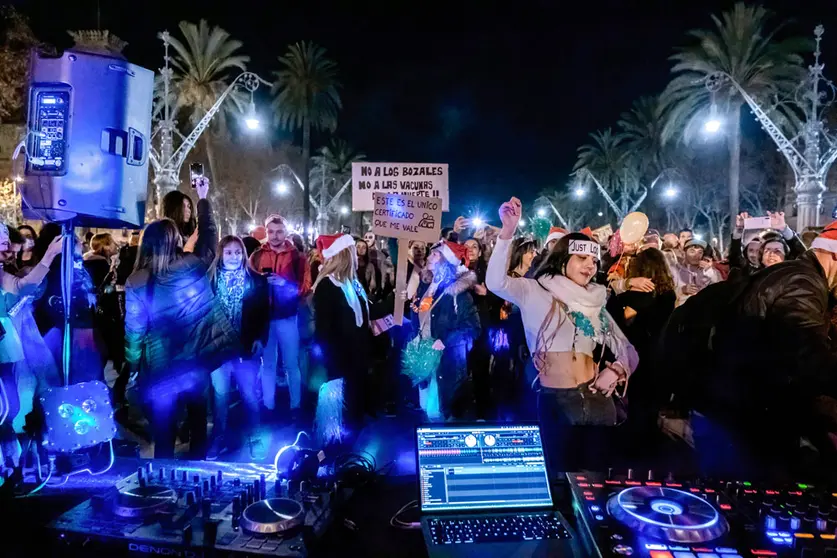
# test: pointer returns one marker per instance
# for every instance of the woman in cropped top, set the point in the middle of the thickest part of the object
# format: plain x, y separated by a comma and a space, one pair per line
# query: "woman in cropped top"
567, 328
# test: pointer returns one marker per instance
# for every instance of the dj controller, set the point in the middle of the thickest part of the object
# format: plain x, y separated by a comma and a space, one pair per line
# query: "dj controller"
641, 516
195, 509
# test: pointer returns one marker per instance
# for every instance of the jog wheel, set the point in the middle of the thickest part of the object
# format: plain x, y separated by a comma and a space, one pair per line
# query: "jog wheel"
667, 514
272, 516
143, 501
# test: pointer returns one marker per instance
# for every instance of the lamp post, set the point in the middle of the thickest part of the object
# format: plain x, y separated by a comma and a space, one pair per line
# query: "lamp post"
167, 161
625, 205
810, 165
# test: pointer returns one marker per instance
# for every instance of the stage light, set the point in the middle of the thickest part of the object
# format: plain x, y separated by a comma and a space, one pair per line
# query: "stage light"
77, 416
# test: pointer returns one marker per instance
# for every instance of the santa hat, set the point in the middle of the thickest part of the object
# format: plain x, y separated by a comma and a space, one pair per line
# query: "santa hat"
556, 233
330, 245
827, 240
588, 231
454, 253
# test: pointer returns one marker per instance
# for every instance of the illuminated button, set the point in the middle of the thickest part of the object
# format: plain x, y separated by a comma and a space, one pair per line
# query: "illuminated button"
656, 546
623, 550
661, 554
684, 555
595, 509
600, 517
803, 535
707, 555
725, 550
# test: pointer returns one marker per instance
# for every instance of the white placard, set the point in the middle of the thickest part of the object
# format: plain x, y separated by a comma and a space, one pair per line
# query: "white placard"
407, 217
428, 180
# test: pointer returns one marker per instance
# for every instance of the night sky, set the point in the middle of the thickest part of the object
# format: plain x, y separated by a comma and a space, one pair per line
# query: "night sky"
505, 96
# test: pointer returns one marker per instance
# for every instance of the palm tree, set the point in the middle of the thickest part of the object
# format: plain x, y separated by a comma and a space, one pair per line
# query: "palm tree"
741, 46
608, 160
641, 136
203, 66
306, 97
331, 174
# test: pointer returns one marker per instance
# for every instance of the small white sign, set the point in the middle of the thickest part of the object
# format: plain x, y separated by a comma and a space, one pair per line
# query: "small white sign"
428, 180
407, 217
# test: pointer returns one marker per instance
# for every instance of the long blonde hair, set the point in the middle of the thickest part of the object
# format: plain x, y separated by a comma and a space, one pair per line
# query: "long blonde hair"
158, 247
342, 266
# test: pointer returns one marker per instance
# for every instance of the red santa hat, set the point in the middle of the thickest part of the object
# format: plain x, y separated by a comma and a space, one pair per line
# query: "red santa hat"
588, 231
330, 245
454, 253
827, 240
556, 233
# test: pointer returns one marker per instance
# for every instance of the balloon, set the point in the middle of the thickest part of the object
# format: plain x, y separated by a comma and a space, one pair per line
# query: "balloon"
634, 227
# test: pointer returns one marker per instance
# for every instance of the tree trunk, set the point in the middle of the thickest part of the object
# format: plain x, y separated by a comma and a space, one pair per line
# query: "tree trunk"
220, 214
306, 177
734, 160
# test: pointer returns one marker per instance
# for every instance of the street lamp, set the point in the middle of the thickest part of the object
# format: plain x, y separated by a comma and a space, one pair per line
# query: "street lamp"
477, 222
522, 222
344, 210
712, 125
282, 187
167, 161
670, 193
600, 214
541, 212
813, 150
579, 192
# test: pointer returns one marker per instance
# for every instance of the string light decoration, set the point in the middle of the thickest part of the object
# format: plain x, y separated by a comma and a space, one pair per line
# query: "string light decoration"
10, 202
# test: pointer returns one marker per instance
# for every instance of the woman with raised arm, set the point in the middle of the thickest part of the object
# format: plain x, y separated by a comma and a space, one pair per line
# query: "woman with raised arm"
580, 353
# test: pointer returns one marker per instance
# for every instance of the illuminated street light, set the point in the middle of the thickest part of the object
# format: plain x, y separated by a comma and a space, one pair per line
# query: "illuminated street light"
601, 214
522, 222
579, 192
670, 193
252, 119
281, 187
712, 125
344, 210
541, 212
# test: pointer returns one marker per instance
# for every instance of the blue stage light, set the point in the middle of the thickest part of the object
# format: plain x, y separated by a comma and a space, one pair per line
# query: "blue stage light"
77, 416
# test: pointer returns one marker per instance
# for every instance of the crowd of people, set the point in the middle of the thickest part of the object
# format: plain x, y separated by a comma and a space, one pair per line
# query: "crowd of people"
607, 343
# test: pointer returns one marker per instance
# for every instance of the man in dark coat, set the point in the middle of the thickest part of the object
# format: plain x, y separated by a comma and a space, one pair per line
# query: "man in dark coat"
773, 359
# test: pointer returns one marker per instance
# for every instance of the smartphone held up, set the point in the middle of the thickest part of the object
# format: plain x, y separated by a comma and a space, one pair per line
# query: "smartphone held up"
195, 171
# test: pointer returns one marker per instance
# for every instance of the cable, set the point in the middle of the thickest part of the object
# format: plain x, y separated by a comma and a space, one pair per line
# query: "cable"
398, 524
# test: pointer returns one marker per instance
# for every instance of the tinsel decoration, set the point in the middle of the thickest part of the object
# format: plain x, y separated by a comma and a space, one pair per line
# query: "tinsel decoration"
420, 360
329, 419
540, 228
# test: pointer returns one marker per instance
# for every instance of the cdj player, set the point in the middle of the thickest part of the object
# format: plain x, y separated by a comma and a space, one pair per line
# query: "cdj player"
624, 515
194, 509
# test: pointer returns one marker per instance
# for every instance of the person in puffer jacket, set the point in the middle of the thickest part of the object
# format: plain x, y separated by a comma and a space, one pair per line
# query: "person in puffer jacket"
289, 281
175, 332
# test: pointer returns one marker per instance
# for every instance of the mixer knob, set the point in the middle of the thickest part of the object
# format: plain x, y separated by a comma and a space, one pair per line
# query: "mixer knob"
210, 533
206, 486
196, 479
236, 505
161, 474
141, 480
263, 487
190, 498
822, 524
187, 534
141, 475
212, 483
149, 469
257, 485
199, 491
650, 474
795, 523
770, 523
237, 482
206, 508
220, 477
630, 474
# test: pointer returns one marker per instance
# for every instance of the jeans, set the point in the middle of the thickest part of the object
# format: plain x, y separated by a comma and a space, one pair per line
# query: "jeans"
245, 371
165, 400
576, 425
282, 342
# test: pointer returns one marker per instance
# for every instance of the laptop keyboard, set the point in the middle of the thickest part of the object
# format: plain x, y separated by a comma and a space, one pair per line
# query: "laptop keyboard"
497, 529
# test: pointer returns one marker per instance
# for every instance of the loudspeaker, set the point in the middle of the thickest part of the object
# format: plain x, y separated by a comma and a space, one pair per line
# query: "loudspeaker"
89, 129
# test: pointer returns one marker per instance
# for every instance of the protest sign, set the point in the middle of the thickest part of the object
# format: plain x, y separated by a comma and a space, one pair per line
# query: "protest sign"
428, 180
407, 217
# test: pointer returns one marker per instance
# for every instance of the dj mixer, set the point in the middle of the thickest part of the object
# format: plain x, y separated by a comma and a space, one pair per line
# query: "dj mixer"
194, 509
639, 515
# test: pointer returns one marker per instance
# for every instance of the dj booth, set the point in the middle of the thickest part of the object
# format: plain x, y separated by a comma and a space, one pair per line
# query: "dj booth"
483, 490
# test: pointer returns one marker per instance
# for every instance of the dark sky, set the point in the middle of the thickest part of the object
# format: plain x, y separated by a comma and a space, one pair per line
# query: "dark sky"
505, 96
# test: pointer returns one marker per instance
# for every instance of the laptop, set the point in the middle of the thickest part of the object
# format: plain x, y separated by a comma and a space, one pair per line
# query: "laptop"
484, 491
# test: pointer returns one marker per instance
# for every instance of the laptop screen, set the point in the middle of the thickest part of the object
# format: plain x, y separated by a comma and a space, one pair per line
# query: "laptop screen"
481, 467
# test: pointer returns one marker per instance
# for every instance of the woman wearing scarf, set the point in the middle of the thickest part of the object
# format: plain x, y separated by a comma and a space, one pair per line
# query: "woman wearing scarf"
341, 330
242, 294
567, 330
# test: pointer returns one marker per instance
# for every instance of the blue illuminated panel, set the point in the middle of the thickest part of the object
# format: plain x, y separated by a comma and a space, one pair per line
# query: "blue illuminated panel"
489, 467
49, 127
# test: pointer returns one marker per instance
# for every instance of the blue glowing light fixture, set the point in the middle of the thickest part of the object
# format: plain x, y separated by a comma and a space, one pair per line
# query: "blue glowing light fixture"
77, 416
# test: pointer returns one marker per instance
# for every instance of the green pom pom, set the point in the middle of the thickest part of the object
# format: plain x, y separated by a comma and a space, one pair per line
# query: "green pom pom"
420, 360
540, 228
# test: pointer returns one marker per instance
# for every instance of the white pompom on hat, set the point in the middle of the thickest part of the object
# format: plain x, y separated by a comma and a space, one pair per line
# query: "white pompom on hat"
330, 245
827, 240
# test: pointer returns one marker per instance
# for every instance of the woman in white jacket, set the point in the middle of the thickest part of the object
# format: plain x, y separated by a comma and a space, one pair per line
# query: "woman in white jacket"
567, 330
